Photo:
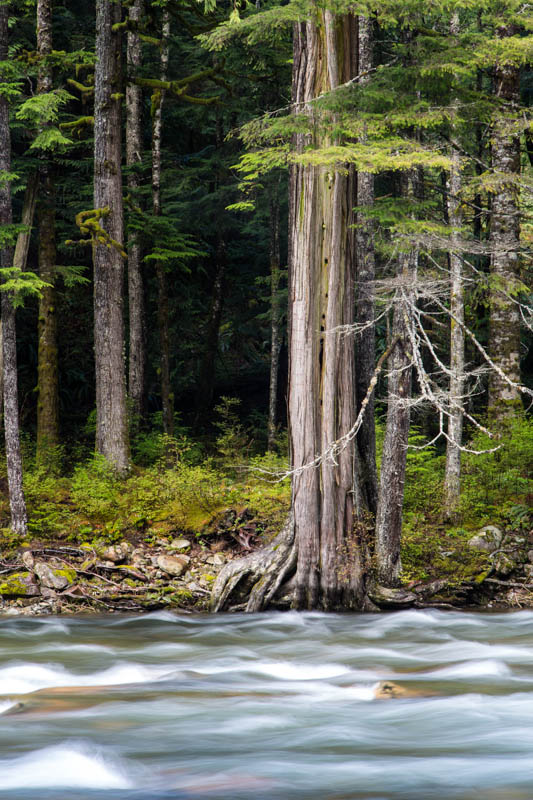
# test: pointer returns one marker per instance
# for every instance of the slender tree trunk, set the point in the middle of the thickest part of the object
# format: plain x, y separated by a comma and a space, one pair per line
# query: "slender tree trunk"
19, 518
365, 313
111, 413
20, 257
452, 477
206, 377
47, 368
393, 460
321, 378
167, 399
505, 242
47, 361
275, 311
134, 148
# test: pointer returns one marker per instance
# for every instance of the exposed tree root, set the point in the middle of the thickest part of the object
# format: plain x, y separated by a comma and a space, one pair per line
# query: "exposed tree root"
259, 575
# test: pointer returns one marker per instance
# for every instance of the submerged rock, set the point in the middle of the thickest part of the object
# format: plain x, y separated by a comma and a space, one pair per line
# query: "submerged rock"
387, 690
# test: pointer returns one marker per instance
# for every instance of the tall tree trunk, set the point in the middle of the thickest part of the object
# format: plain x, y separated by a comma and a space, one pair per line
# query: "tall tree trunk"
167, 399
393, 460
275, 311
111, 413
206, 376
365, 313
134, 148
321, 373
47, 362
19, 518
452, 477
505, 242
22, 247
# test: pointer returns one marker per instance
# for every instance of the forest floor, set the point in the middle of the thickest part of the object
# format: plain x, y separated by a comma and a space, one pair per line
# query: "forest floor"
175, 570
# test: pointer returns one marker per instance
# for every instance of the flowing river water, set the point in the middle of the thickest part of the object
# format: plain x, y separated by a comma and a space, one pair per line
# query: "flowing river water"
275, 706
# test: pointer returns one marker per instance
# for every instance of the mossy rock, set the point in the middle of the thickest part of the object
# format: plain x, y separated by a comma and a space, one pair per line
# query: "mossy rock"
19, 584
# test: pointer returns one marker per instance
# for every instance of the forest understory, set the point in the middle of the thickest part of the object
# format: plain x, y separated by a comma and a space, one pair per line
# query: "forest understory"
158, 539
267, 310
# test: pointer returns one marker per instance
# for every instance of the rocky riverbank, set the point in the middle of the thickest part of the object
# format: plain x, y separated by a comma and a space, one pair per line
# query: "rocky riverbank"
178, 573
127, 576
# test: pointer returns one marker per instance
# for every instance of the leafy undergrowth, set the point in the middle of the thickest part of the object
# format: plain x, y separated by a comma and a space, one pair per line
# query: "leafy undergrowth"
496, 489
238, 497
168, 498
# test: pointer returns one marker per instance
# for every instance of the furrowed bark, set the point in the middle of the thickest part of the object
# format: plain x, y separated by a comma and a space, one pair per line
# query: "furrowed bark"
137, 355
47, 359
321, 379
111, 413
365, 311
504, 349
167, 399
275, 311
452, 476
19, 517
322, 540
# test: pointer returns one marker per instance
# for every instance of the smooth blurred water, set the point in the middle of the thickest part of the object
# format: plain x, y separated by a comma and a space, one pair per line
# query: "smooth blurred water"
267, 706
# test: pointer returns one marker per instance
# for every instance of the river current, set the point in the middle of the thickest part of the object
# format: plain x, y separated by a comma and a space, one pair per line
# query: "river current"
276, 706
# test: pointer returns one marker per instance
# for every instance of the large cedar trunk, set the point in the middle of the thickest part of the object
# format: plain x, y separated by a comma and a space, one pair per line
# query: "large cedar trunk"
111, 415
9, 338
504, 347
321, 540
136, 379
321, 373
47, 366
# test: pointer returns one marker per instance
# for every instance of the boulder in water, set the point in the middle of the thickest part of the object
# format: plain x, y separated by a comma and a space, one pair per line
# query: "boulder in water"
386, 597
388, 690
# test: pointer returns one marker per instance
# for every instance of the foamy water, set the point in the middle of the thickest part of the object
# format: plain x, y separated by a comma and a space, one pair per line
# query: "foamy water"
275, 706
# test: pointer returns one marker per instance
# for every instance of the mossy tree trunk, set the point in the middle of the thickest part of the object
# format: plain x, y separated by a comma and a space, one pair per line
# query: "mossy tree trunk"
167, 399
19, 518
504, 349
111, 412
365, 314
330, 568
137, 355
47, 365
